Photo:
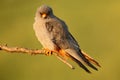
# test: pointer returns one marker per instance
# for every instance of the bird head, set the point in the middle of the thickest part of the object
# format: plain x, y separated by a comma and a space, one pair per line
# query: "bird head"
44, 12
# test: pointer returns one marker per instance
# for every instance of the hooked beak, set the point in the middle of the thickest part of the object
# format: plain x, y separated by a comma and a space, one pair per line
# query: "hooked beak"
44, 15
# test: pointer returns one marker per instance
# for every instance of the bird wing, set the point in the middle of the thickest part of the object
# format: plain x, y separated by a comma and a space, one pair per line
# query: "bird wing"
58, 33
62, 38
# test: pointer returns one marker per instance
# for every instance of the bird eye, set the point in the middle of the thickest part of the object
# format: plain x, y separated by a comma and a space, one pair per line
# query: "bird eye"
40, 13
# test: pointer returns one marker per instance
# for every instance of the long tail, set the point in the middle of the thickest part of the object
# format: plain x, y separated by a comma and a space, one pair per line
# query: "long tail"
63, 57
80, 64
90, 59
87, 60
79, 57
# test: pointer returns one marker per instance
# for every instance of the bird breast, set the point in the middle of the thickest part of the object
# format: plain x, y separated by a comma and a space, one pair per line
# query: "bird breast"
43, 35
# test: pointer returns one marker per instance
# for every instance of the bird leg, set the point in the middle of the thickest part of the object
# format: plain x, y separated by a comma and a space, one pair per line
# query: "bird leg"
50, 52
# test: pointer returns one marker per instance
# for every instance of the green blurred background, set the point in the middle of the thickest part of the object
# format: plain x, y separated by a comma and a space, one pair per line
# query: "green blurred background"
94, 23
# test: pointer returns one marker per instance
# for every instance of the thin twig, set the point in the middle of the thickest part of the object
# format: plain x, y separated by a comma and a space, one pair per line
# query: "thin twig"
64, 61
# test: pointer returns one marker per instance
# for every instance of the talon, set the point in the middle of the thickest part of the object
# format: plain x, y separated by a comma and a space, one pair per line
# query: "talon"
47, 52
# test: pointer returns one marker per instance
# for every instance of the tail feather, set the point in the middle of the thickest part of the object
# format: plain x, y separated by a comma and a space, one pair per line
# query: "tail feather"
87, 61
91, 59
80, 58
80, 64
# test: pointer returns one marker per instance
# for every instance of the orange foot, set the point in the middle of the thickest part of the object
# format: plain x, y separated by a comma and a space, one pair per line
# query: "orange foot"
47, 52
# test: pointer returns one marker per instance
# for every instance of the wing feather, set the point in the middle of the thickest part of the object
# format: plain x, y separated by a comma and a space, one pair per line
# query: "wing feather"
62, 38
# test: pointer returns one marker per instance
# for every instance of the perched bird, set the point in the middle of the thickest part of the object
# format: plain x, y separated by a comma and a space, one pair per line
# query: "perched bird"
55, 37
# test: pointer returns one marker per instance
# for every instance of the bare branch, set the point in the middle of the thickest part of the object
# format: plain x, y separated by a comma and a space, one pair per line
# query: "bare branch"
30, 51
20, 50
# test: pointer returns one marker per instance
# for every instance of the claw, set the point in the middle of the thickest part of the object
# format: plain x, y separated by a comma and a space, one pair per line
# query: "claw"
47, 52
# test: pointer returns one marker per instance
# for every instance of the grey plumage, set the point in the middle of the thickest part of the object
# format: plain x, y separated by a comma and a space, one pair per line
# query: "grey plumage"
53, 34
